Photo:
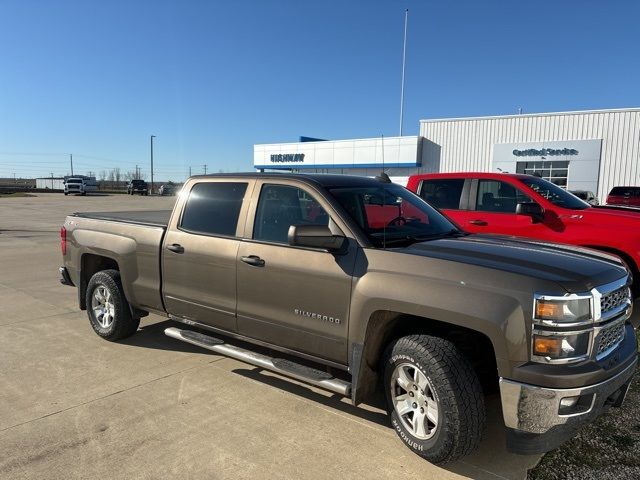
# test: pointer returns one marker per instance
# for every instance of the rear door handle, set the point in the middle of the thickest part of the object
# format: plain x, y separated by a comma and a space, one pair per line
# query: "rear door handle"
176, 248
254, 260
480, 223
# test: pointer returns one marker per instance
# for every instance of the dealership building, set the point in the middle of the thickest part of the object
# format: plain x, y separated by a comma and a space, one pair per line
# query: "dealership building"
584, 150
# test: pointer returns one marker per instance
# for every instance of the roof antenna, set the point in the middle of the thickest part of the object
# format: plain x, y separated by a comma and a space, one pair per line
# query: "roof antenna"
383, 177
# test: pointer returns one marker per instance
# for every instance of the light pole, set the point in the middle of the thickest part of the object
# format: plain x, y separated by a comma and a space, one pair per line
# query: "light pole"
152, 137
404, 59
71, 159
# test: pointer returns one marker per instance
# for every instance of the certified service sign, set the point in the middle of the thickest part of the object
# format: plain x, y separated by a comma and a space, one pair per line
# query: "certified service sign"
583, 157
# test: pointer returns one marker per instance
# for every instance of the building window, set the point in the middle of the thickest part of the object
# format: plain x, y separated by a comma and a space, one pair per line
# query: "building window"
556, 171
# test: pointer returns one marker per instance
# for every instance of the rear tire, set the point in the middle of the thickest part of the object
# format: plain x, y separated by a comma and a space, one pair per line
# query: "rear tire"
108, 308
434, 398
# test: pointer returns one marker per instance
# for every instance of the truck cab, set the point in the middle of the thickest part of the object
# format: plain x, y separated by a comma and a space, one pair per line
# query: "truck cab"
531, 207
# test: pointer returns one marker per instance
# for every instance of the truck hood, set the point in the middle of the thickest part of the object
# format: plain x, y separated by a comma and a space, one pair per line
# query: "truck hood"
607, 214
575, 269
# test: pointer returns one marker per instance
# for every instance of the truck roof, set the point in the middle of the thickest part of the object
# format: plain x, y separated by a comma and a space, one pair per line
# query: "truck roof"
470, 174
326, 180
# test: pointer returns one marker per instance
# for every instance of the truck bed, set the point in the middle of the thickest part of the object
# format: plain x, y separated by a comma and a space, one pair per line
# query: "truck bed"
154, 218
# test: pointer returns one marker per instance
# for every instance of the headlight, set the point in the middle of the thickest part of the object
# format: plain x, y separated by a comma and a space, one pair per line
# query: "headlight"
562, 327
559, 310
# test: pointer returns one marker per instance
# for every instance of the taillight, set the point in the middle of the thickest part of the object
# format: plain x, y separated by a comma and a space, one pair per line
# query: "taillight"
63, 240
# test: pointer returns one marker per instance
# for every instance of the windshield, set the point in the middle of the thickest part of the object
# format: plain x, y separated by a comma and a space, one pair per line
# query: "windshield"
391, 214
74, 180
554, 193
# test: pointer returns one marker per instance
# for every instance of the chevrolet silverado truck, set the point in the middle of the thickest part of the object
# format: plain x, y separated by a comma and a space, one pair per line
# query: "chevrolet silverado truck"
532, 207
436, 318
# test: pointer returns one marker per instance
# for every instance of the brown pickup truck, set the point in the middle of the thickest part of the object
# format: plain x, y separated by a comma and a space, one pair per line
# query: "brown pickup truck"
355, 284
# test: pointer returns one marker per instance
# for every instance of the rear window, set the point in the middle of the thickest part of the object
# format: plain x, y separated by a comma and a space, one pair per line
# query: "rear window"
213, 208
443, 193
625, 191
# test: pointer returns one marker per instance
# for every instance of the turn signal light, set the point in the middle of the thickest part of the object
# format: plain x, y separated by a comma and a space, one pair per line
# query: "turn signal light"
547, 346
551, 310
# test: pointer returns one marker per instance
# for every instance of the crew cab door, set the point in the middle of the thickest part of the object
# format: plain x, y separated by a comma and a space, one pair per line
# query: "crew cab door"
293, 297
449, 195
492, 209
200, 250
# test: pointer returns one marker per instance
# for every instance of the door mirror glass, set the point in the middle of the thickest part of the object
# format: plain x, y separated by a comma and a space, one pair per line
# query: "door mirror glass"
531, 209
316, 236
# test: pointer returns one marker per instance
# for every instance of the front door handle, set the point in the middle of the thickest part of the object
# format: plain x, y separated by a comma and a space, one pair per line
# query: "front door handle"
254, 260
176, 248
480, 223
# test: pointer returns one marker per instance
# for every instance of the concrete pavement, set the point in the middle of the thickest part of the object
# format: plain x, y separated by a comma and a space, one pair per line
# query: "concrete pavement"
75, 406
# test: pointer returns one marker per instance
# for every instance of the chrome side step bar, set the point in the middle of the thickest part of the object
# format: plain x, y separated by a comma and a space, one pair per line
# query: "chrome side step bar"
279, 365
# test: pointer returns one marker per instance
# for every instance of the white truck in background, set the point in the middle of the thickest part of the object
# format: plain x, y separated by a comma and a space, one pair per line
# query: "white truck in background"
80, 185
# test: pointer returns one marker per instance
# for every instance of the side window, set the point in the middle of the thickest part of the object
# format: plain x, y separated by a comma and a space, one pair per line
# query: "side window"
213, 208
497, 196
281, 206
443, 193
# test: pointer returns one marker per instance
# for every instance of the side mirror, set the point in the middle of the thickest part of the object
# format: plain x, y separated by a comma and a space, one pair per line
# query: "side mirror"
531, 209
316, 236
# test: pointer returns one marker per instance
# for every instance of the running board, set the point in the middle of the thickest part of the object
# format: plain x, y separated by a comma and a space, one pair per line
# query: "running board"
279, 365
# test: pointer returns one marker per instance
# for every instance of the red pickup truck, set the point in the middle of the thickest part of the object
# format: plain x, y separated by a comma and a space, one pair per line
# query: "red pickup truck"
529, 206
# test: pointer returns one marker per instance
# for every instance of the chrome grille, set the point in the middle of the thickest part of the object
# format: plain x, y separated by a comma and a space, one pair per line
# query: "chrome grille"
610, 337
614, 299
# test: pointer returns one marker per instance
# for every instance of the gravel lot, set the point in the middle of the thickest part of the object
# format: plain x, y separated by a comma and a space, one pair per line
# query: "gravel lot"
609, 448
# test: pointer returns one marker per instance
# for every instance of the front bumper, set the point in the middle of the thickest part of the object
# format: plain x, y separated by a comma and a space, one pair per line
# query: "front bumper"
537, 421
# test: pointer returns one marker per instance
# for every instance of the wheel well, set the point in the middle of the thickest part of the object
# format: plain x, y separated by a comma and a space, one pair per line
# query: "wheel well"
385, 326
628, 260
91, 264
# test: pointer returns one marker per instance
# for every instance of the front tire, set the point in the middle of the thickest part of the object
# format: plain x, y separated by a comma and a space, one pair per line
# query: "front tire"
107, 307
434, 398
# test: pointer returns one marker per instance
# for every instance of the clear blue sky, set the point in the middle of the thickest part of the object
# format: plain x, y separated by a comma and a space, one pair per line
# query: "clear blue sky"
212, 78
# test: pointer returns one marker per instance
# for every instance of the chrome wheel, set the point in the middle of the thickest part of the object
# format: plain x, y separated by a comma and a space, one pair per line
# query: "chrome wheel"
414, 401
102, 306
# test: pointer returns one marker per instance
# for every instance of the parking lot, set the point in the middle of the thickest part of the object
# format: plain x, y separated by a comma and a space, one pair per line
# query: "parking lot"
75, 406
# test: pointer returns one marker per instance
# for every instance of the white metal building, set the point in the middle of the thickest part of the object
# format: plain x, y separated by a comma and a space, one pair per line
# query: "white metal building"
50, 183
590, 150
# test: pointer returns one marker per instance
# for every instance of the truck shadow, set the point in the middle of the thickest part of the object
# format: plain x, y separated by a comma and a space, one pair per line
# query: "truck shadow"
336, 401
491, 459
152, 336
